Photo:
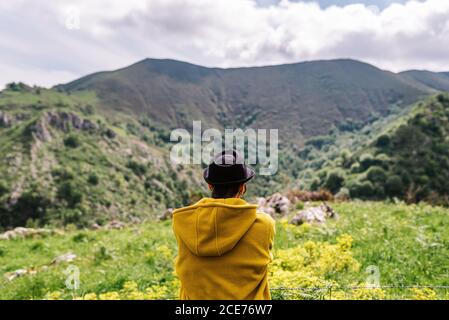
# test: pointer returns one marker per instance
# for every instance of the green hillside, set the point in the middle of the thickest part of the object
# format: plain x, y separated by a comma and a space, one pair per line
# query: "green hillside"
407, 245
65, 163
408, 159
97, 149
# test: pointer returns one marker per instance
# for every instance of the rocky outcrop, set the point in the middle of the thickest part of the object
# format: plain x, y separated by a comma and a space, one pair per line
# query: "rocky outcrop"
40, 131
5, 119
23, 233
276, 204
66, 120
314, 215
168, 214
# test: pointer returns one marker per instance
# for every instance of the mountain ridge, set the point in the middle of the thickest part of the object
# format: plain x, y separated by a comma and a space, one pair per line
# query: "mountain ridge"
174, 93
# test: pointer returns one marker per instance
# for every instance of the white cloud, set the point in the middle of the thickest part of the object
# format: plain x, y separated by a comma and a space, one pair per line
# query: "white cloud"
36, 46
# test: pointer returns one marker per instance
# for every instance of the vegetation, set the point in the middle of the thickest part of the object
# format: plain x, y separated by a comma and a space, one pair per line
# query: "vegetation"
409, 161
67, 163
406, 245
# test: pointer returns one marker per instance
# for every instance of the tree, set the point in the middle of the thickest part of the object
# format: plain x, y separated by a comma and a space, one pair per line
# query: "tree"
334, 181
376, 175
361, 190
394, 186
93, 179
67, 191
3, 188
366, 160
383, 141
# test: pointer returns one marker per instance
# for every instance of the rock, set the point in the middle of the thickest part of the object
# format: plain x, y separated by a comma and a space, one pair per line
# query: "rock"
65, 120
23, 233
40, 131
275, 204
115, 224
168, 214
88, 125
5, 120
18, 273
95, 226
315, 214
68, 257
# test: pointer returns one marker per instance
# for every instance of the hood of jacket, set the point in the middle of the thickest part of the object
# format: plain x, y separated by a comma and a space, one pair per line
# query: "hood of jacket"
212, 227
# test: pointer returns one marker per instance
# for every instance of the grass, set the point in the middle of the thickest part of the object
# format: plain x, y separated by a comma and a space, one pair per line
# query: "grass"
408, 244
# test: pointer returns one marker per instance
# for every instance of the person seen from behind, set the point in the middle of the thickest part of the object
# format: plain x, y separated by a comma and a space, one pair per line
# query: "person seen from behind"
224, 243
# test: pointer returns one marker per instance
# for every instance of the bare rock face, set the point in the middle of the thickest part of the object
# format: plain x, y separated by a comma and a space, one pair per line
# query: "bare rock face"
65, 120
168, 214
275, 204
314, 215
5, 119
88, 125
40, 131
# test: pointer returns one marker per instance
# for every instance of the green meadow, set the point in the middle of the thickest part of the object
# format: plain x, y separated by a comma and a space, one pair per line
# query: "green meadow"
394, 245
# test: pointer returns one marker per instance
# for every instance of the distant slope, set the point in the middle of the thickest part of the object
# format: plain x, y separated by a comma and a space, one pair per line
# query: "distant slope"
64, 163
410, 160
302, 100
435, 80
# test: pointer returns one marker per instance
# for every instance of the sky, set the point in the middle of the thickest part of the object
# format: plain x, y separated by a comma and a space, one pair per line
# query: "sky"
47, 42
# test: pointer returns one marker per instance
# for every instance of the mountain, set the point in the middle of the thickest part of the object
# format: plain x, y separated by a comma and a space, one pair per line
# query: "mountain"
435, 80
302, 100
98, 148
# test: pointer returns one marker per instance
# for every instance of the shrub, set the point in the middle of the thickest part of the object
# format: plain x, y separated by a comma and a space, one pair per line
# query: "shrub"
334, 181
296, 195
93, 179
32, 204
366, 160
383, 141
138, 168
3, 188
376, 174
394, 186
320, 141
67, 191
362, 190
62, 173
355, 167
72, 141
315, 185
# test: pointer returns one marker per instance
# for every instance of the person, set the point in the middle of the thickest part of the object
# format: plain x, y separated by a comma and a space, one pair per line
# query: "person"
224, 244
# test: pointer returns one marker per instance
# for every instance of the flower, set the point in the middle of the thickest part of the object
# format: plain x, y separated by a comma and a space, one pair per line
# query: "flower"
423, 294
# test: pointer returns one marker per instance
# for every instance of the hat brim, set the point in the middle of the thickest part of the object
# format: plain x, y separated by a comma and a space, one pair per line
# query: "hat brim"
249, 173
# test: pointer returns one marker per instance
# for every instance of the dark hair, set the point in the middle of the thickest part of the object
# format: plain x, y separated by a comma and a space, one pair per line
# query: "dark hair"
225, 191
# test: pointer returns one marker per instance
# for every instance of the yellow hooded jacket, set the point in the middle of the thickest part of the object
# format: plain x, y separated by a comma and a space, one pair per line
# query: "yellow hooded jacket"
224, 250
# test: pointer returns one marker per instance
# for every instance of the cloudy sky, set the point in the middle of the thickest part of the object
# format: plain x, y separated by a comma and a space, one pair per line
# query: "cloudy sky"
47, 42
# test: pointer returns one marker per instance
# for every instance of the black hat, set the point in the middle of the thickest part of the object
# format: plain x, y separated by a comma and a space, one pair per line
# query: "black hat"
228, 167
